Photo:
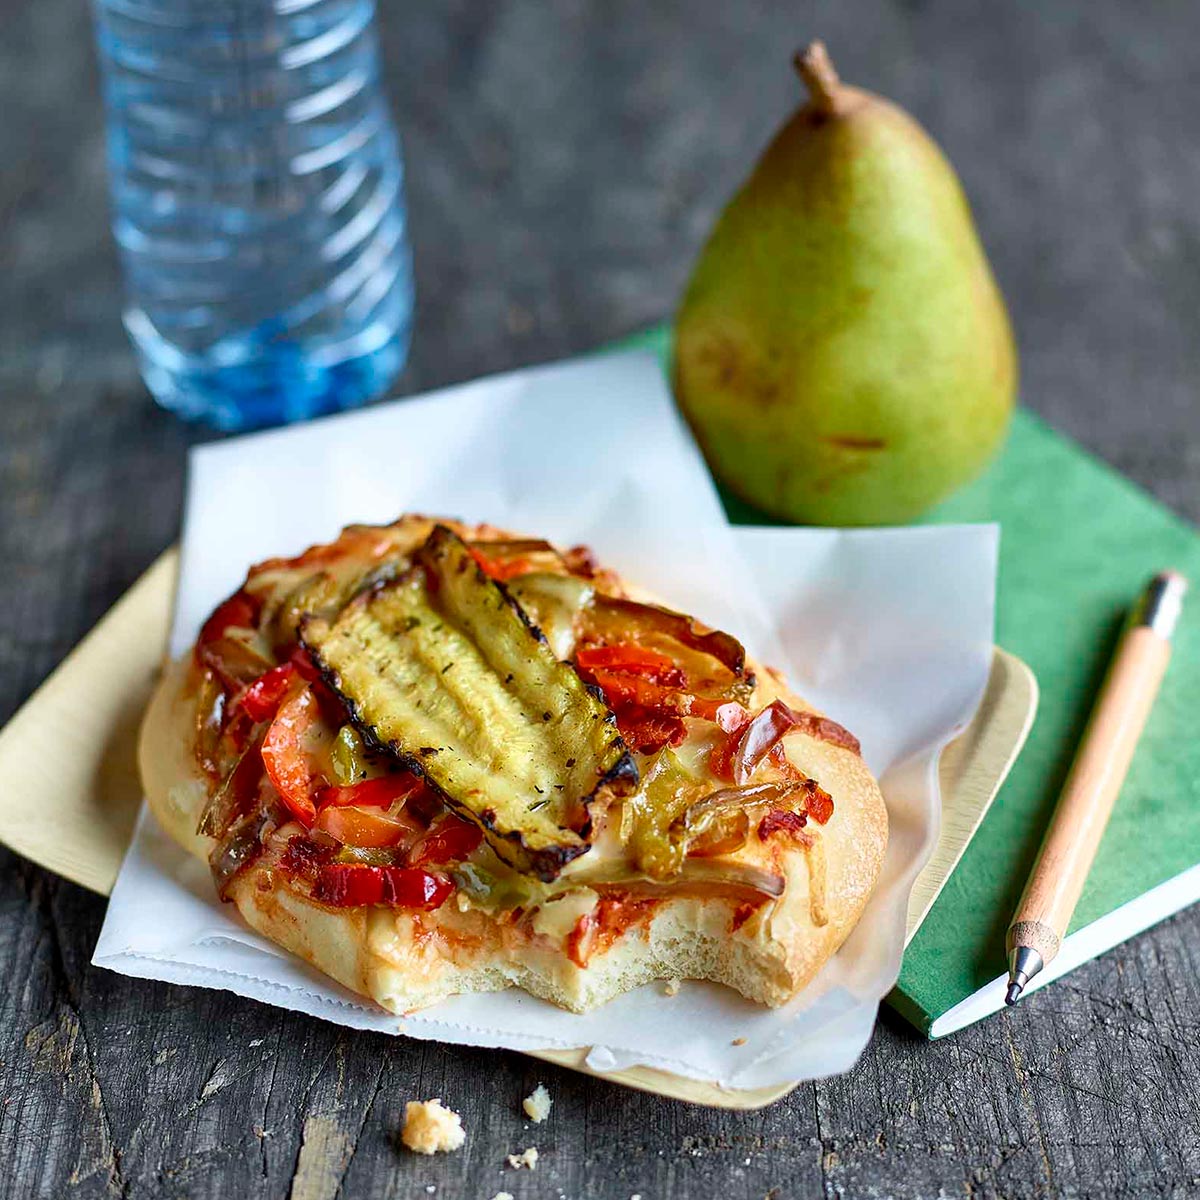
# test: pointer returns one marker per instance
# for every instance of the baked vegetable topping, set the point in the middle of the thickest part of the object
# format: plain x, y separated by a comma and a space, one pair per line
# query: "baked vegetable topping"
764, 733
403, 705
344, 885
653, 666
676, 816
502, 560
444, 669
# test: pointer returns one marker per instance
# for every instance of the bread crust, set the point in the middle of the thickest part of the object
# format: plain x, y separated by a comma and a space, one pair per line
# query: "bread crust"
404, 960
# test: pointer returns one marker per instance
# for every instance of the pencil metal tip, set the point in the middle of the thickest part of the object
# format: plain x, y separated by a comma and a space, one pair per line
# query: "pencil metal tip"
1024, 962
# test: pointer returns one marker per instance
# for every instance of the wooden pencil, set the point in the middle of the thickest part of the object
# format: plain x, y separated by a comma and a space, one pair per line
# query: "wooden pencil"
1100, 766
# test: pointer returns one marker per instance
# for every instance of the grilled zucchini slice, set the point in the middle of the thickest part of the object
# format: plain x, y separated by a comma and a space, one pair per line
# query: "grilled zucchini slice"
443, 668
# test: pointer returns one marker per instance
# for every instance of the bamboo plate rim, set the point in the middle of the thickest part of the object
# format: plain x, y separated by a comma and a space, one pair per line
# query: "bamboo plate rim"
69, 754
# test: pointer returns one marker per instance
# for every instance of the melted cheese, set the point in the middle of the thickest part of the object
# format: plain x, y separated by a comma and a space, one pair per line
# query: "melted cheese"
556, 918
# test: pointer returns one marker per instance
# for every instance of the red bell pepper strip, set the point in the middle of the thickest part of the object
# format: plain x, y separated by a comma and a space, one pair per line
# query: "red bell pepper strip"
239, 611
366, 826
778, 821
262, 698
628, 659
347, 885
304, 665
502, 572
648, 732
820, 805
371, 793
451, 840
233, 660
290, 764
303, 857
632, 691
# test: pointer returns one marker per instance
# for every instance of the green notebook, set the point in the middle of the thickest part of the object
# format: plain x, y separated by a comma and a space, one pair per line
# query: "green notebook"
1078, 542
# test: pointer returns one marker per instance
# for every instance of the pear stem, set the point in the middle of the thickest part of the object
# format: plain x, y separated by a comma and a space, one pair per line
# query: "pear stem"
817, 70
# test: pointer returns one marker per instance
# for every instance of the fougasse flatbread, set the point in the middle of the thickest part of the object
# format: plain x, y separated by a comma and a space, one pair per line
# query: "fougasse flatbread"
432, 758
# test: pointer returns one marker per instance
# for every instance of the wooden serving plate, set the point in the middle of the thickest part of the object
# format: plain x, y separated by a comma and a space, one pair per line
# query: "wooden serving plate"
68, 759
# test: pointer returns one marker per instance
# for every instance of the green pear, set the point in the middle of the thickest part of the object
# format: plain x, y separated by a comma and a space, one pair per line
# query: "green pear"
842, 352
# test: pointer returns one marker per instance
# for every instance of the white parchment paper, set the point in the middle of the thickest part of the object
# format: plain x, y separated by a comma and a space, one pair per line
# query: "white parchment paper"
889, 631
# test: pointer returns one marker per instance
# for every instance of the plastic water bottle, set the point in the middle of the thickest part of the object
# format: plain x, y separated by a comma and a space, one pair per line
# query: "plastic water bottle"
257, 204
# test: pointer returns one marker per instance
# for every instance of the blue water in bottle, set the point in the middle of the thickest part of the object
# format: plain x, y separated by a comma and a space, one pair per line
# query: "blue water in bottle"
257, 204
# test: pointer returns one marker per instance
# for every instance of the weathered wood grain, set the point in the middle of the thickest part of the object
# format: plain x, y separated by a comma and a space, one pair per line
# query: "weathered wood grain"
565, 161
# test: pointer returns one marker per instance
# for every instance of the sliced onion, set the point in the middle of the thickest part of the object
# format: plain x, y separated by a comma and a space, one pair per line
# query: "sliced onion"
734, 874
235, 795
757, 739
234, 659
704, 826
719, 823
763, 733
725, 834
241, 846
750, 795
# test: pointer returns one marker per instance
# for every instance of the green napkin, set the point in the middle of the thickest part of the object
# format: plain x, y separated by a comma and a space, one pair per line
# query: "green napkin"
1078, 542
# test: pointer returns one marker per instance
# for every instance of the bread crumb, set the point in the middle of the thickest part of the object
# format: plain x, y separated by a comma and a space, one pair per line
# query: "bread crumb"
430, 1127
527, 1158
537, 1104
738, 1042
670, 988
503, 1196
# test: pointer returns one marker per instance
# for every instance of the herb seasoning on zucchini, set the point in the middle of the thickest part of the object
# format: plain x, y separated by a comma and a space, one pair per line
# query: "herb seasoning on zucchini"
444, 669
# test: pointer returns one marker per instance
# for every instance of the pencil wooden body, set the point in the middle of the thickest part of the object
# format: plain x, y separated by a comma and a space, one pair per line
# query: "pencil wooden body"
1090, 791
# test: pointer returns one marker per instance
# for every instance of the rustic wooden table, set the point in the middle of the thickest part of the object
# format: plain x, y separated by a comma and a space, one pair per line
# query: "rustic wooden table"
565, 162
